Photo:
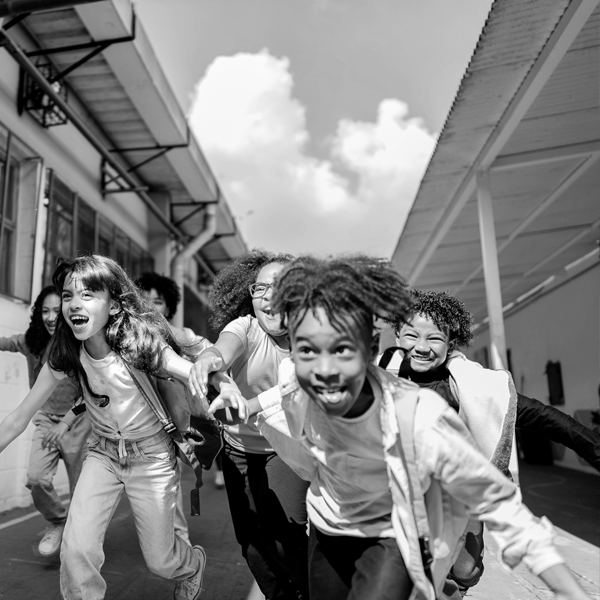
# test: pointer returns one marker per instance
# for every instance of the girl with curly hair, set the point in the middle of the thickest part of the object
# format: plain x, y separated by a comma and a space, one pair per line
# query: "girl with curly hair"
428, 354
372, 444
59, 434
114, 346
266, 497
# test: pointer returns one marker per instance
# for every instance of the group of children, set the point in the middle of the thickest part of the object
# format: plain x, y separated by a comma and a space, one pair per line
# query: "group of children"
350, 481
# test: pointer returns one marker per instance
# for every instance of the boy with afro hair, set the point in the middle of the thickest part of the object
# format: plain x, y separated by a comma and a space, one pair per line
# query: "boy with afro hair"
428, 354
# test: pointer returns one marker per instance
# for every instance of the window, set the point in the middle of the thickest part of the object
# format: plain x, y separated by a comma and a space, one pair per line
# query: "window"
20, 173
75, 228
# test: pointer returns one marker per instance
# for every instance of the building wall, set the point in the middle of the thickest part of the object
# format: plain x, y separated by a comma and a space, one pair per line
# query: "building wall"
562, 325
64, 150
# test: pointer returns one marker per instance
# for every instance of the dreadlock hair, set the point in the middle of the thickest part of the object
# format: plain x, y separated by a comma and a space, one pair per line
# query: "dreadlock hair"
37, 336
136, 332
447, 312
229, 297
356, 288
165, 286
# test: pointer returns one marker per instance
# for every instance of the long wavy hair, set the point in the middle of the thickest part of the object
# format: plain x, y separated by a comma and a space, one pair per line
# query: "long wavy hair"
229, 297
37, 336
136, 332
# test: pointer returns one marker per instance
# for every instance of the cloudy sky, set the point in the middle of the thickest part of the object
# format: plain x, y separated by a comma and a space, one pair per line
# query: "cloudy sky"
318, 117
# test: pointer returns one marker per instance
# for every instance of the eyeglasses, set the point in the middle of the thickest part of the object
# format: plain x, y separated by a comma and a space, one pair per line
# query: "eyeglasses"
258, 289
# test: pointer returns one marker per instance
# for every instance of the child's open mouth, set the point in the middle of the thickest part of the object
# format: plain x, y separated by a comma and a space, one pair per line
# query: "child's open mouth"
78, 322
330, 396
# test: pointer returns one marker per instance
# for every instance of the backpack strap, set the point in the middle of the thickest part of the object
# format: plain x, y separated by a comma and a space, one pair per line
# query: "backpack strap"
185, 451
405, 415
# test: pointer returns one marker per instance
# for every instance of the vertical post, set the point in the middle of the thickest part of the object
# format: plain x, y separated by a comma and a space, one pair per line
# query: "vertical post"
491, 271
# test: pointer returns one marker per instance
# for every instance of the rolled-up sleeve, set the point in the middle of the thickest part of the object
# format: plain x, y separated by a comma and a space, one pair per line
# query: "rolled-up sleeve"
446, 451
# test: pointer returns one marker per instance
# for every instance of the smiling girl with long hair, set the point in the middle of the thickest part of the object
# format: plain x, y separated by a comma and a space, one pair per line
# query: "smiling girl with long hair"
114, 346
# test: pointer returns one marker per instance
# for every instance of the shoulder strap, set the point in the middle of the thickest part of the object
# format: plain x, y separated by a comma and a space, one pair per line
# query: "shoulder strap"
405, 414
386, 356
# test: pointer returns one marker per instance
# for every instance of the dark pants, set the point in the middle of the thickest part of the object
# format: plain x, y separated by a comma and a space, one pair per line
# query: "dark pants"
351, 568
268, 509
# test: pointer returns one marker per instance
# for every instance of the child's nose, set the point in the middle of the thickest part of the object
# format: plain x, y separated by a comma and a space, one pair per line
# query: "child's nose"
326, 368
422, 347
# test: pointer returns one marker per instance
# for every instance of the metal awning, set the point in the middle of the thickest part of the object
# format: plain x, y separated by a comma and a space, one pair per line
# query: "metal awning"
524, 130
131, 107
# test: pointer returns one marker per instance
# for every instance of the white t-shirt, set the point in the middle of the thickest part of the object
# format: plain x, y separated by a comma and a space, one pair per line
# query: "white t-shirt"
127, 415
255, 371
351, 493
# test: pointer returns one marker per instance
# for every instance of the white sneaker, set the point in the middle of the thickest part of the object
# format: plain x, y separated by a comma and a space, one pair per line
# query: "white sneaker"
219, 479
50, 543
190, 589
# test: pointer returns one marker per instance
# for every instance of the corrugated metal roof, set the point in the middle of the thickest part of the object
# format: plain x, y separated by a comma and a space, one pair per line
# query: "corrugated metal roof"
565, 112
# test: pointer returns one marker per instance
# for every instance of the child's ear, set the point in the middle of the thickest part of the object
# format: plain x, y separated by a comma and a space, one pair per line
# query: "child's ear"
115, 307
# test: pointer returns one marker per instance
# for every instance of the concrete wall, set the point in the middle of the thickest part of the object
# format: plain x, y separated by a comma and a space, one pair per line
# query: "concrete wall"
562, 325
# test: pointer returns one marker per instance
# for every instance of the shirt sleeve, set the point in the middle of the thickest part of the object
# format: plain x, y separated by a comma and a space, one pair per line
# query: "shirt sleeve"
14, 343
448, 453
240, 327
282, 422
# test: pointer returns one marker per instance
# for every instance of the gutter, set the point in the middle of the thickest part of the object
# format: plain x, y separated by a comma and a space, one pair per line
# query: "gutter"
20, 57
180, 262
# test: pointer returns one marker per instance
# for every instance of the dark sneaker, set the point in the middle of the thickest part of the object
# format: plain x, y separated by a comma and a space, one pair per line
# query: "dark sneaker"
190, 589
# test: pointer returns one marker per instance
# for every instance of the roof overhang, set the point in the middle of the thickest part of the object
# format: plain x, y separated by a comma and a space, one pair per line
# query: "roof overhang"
528, 115
133, 106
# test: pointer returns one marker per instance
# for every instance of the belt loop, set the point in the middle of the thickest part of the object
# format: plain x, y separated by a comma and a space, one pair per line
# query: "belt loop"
103, 443
122, 452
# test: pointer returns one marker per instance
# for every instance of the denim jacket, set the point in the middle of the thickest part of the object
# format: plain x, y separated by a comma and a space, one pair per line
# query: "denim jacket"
457, 480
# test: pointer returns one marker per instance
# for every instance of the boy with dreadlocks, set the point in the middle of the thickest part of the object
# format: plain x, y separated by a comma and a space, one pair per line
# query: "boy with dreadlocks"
371, 445
486, 400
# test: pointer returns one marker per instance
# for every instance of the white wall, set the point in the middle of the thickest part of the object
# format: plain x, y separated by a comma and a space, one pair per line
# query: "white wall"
563, 325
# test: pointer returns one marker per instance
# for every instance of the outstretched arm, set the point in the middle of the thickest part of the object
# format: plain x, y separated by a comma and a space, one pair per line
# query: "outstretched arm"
533, 415
217, 358
16, 422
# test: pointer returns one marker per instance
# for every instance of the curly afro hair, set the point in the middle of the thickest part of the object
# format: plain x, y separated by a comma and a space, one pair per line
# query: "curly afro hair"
353, 291
447, 312
37, 336
229, 297
165, 286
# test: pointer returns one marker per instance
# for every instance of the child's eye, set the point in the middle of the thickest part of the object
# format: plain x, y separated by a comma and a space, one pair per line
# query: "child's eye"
304, 351
345, 350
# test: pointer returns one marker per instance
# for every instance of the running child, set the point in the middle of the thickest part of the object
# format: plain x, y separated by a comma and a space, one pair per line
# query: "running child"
59, 433
266, 497
428, 354
107, 340
372, 444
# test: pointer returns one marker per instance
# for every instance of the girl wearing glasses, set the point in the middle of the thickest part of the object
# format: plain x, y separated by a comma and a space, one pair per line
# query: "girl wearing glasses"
266, 498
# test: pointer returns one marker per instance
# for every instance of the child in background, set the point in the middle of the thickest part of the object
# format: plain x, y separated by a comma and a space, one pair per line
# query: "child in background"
57, 434
107, 340
341, 423
440, 324
266, 498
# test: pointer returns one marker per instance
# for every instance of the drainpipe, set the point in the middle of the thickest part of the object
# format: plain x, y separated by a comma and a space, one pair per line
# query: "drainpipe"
180, 261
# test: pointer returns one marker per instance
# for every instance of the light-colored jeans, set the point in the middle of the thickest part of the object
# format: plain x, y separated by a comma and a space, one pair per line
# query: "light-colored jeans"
43, 463
149, 475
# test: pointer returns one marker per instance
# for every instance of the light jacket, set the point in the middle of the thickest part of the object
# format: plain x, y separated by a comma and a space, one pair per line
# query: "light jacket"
457, 479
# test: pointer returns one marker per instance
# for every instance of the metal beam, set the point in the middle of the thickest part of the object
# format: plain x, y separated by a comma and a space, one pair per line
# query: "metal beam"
14, 7
548, 201
491, 271
567, 29
20, 57
546, 155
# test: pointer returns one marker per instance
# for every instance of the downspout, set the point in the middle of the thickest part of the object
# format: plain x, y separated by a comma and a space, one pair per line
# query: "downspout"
180, 261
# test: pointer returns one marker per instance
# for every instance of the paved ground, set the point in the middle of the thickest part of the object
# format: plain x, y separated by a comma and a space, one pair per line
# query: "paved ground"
570, 499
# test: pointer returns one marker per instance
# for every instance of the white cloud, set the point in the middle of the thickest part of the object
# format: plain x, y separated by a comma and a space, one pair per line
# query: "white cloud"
254, 134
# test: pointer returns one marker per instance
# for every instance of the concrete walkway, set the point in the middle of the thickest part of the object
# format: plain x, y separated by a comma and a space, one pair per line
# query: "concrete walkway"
570, 499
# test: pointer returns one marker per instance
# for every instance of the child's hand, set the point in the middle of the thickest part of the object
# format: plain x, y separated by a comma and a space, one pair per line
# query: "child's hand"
54, 435
230, 396
198, 379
